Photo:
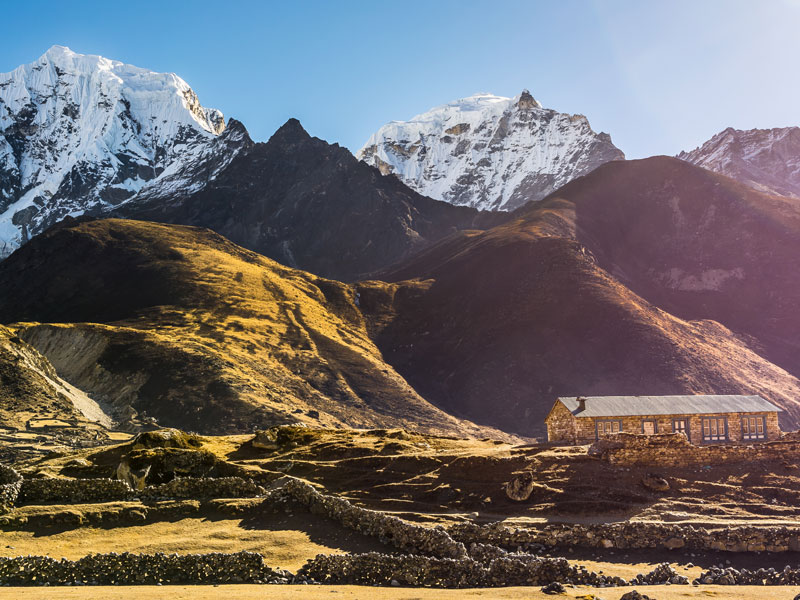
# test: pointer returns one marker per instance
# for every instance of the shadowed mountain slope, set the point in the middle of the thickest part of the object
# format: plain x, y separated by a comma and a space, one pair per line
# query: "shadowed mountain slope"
181, 324
313, 206
694, 243
575, 296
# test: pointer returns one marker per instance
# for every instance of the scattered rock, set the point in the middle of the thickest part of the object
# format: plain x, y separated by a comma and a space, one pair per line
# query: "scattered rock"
635, 595
553, 588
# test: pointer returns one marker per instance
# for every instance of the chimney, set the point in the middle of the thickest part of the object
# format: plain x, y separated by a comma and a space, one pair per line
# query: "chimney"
581, 404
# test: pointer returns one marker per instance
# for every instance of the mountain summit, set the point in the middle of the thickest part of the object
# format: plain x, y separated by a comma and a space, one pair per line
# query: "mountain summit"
489, 152
82, 132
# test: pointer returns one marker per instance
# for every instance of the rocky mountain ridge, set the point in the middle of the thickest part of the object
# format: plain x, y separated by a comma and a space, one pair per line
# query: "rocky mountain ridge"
489, 152
311, 205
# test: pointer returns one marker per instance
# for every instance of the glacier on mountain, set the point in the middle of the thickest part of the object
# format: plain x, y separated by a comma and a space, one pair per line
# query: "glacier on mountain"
82, 133
489, 152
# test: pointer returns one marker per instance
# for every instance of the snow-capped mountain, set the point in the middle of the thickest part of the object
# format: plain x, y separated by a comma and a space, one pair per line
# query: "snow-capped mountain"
82, 133
489, 152
765, 159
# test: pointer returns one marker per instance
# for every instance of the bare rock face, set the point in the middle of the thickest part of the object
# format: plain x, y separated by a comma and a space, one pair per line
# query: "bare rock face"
489, 152
520, 488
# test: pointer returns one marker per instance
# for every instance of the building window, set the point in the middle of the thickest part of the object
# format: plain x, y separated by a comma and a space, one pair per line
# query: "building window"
753, 428
715, 429
649, 426
608, 427
681, 426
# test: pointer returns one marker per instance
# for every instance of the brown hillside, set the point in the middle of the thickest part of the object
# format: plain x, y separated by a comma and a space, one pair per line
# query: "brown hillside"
181, 324
29, 386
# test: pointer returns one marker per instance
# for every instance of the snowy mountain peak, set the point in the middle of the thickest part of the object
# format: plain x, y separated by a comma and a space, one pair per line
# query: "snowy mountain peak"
490, 152
765, 159
83, 133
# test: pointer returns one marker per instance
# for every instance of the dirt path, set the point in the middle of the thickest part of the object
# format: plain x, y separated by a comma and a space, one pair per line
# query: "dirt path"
329, 592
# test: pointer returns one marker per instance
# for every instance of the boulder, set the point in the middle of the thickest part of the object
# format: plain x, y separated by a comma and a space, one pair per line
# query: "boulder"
655, 483
520, 488
265, 440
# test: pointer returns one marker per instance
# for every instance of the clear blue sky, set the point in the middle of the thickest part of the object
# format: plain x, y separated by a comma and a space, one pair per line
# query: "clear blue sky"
658, 76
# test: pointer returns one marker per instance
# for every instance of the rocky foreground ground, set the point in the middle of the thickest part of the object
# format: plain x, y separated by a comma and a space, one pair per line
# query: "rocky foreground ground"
392, 509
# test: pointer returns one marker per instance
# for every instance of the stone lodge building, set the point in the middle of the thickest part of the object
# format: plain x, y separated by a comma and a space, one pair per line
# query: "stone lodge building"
702, 419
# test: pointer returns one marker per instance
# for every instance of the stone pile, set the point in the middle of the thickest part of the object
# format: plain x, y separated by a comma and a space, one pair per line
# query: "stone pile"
142, 569
662, 574
10, 483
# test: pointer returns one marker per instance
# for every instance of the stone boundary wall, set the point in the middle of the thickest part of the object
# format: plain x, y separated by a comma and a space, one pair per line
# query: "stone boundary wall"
731, 576
377, 569
85, 491
673, 449
363, 569
141, 569
10, 483
72, 491
627, 535
203, 487
389, 529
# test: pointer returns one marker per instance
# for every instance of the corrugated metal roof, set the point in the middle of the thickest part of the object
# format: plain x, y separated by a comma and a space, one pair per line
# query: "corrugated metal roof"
634, 406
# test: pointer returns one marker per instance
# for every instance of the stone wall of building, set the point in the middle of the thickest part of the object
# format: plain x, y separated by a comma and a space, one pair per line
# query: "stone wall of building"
673, 449
563, 426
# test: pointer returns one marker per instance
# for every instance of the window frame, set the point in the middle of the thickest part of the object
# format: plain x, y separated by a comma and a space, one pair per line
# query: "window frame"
654, 422
749, 436
688, 431
598, 422
708, 440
